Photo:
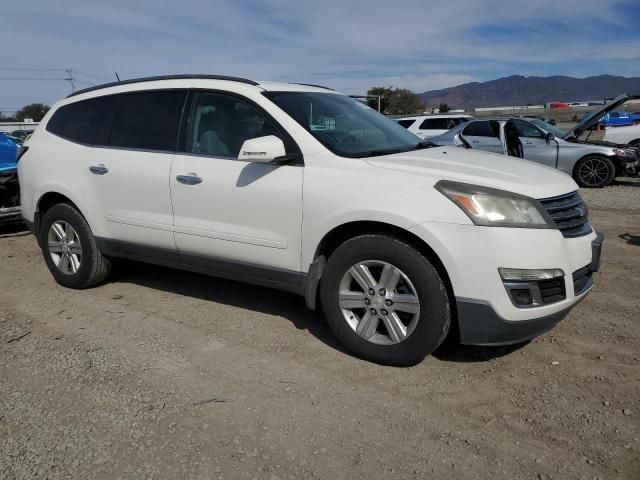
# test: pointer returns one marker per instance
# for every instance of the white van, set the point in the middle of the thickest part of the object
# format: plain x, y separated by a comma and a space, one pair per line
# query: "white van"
304, 189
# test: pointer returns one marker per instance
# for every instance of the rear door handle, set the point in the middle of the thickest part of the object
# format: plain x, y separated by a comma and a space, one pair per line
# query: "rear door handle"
528, 143
189, 179
98, 169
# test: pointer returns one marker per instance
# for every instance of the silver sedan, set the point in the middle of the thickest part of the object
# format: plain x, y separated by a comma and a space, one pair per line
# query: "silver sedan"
590, 164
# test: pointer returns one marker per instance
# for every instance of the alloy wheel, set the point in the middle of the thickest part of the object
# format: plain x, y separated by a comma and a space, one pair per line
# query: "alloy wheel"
379, 302
594, 172
64, 247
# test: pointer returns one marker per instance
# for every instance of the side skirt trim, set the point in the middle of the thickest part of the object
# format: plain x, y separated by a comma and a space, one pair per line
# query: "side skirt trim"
258, 275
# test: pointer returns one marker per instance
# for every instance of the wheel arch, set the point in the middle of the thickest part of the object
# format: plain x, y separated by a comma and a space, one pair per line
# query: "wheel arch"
48, 200
341, 233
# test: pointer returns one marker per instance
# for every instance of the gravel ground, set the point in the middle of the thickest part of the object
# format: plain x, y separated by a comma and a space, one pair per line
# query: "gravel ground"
164, 374
624, 194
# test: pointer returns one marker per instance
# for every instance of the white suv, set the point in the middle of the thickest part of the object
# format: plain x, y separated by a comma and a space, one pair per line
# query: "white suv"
427, 126
301, 188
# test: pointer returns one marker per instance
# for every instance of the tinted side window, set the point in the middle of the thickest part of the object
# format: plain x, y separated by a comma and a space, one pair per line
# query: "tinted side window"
435, 124
219, 124
147, 120
83, 121
405, 123
526, 129
481, 129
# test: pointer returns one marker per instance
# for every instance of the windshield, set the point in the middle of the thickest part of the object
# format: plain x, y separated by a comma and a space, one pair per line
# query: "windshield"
345, 126
547, 127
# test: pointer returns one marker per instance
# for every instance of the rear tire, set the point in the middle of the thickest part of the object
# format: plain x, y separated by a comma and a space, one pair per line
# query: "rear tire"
594, 171
70, 250
410, 304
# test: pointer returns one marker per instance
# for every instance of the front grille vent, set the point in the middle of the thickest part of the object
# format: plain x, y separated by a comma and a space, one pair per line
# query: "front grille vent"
582, 280
569, 213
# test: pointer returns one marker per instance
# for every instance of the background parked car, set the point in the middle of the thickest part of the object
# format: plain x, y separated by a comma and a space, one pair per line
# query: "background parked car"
426, 126
615, 119
629, 135
9, 190
590, 165
19, 136
619, 119
550, 121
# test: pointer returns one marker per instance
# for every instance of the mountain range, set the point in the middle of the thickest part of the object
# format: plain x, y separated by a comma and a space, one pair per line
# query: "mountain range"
519, 90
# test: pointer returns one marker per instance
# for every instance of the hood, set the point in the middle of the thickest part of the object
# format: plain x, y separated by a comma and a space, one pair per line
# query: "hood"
480, 168
593, 119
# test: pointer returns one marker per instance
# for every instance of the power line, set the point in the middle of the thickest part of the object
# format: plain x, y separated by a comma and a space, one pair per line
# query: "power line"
32, 69
33, 78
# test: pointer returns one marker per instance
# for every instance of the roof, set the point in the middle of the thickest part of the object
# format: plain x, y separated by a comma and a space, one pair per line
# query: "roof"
279, 86
436, 115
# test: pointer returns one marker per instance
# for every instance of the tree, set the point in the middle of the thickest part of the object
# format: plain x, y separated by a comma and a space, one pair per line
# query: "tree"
403, 101
384, 93
444, 108
34, 111
5, 118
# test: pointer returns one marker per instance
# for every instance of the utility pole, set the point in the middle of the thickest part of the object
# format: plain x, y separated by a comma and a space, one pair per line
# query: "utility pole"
71, 80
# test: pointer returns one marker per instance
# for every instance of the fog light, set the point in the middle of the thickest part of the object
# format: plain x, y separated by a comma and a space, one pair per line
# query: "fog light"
521, 275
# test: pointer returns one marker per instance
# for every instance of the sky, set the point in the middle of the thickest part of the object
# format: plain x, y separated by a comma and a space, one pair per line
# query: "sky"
347, 45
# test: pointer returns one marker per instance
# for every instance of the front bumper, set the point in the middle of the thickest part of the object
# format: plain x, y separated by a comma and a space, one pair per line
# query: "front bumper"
480, 324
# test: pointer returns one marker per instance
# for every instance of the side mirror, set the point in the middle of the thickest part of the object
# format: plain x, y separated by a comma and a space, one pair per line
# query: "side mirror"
262, 149
550, 136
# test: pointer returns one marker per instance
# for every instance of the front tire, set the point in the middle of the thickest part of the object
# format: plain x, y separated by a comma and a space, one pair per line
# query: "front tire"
70, 250
384, 300
594, 171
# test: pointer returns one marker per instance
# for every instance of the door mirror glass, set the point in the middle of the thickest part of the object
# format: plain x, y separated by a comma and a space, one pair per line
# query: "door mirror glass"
262, 149
550, 136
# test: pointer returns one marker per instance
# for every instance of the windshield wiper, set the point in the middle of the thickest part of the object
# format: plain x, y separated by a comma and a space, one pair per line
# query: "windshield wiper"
391, 151
382, 151
424, 144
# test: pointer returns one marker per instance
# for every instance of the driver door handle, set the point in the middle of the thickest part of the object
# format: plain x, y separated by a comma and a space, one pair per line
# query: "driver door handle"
98, 169
189, 179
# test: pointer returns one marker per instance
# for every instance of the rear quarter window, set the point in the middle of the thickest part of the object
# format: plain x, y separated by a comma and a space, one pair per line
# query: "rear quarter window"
147, 120
83, 121
405, 123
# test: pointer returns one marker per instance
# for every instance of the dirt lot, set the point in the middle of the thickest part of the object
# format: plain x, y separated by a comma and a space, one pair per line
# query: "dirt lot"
163, 374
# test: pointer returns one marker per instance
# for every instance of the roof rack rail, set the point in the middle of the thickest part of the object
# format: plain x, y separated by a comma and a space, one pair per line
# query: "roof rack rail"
313, 85
164, 77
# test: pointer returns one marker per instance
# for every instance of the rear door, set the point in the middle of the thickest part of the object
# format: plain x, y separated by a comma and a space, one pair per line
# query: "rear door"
535, 145
484, 135
129, 173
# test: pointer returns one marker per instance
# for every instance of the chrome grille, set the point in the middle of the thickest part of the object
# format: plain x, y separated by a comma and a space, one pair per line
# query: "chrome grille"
569, 213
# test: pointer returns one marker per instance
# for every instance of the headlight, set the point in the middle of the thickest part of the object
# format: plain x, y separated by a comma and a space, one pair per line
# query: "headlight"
490, 207
625, 153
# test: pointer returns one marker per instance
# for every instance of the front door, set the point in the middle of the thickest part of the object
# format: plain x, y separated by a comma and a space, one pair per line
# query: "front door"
231, 214
535, 145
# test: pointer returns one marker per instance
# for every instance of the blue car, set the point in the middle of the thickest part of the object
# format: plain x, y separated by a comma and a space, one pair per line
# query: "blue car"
615, 119
619, 119
9, 190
